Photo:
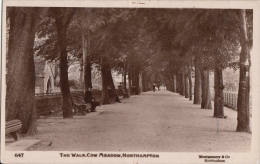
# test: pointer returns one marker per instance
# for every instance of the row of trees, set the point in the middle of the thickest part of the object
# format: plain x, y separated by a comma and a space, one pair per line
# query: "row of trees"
165, 44
213, 40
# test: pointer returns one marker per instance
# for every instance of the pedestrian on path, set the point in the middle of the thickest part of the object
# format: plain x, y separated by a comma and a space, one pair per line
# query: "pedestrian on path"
154, 87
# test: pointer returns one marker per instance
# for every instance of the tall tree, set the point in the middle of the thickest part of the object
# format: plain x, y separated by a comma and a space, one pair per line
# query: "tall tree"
219, 96
244, 85
20, 78
186, 86
62, 18
190, 82
197, 84
108, 88
87, 67
205, 94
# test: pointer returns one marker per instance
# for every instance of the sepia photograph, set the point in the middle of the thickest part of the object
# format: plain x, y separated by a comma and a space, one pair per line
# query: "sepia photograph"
129, 83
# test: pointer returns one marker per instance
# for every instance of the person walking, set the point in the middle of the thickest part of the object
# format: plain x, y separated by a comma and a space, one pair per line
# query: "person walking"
154, 85
158, 86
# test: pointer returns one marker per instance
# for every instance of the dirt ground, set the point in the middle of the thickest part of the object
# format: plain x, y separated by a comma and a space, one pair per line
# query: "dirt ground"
160, 122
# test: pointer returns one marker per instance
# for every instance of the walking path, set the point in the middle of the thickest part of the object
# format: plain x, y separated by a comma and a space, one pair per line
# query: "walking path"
160, 121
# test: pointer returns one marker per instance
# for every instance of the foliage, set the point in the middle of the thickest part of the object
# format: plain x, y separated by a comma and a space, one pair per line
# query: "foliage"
153, 40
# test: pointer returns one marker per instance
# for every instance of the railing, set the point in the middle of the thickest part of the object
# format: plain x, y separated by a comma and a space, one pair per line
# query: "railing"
55, 93
230, 99
48, 94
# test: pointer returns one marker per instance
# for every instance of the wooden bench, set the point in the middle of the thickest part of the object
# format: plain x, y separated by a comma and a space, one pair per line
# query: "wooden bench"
81, 109
13, 127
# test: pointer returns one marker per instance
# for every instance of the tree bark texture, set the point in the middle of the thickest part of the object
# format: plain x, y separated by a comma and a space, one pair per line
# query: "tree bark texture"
205, 96
124, 83
124, 74
105, 83
81, 73
126, 94
129, 81
186, 86
171, 82
62, 19
183, 84
190, 85
219, 95
87, 68
113, 95
197, 85
174, 83
179, 83
20, 78
144, 82
136, 81
108, 88
244, 86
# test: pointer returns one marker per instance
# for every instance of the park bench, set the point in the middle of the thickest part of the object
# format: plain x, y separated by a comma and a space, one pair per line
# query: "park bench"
81, 109
13, 127
94, 104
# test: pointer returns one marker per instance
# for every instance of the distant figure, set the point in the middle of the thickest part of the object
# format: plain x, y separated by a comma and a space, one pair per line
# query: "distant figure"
89, 98
154, 87
158, 86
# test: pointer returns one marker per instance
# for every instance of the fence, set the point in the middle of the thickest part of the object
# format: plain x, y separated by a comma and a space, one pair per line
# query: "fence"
55, 93
230, 99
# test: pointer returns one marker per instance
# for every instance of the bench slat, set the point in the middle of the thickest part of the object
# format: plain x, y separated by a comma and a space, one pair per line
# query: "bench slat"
12, 130
13, 126
11, 121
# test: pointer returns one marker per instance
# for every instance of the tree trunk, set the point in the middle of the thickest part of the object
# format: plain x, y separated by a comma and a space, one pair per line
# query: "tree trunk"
183, 84
20, 78
179, 83
81, 73
174, 83
126, 95
190, 84
124, 76
86, 68
197, 85
170, 83
244, 86
105, 83
137, 86
205, 96
129, 81
108, 88
140, 81
113, 95
219, 95
144, 82
136, 81
138, 90
62, 19
186, 86
124, 83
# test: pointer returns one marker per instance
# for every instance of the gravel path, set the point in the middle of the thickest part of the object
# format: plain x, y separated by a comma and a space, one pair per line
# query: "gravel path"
160, 122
